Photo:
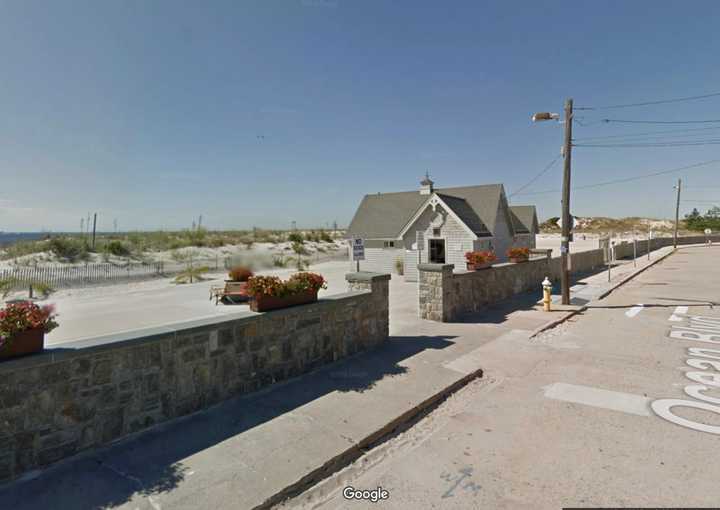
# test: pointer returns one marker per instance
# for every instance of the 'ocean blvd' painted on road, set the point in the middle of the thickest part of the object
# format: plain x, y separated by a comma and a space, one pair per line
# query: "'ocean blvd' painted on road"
704, 329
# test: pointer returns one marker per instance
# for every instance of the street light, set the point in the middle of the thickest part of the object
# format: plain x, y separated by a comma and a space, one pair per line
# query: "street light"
539, 117
566, 153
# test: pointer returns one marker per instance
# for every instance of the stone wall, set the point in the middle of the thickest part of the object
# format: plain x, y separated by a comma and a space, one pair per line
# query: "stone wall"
444, 295
86, 394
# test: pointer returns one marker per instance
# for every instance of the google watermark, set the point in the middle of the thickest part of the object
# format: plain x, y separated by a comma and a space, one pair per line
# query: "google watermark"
372, 495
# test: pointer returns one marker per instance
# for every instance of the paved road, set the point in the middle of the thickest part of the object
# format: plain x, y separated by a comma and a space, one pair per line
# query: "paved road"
577, 417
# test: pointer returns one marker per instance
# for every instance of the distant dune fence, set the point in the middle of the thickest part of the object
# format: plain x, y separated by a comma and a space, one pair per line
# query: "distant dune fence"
81, 275
106, 273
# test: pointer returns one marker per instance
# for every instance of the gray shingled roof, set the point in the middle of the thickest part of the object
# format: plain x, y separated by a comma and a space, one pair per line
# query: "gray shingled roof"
524, 218
466, 213
382, 216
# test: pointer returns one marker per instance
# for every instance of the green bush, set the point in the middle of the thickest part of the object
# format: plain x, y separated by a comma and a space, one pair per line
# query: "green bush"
279, 261
69, 249
295, 237
7, 285
117, 248
43, 288
22, 248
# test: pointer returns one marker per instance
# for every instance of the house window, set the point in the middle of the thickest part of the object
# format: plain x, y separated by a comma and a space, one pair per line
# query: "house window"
437, 251
389, 244
436, 232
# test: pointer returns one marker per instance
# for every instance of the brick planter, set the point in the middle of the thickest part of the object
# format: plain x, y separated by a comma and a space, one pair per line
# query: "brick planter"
28, 342
266, 303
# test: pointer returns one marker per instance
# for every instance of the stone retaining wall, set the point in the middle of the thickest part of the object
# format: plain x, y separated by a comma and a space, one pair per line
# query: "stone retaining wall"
86, 394
444, 295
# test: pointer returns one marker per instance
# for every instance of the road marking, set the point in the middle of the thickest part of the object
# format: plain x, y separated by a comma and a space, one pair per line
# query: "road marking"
634, 310
679, 310
596, 397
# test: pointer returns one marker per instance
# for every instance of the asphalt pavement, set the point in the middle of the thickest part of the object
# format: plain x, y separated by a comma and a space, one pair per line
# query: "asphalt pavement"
614, 408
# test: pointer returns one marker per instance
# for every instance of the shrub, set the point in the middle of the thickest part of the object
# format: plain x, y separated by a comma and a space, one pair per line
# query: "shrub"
117, 248
18, 317
518, 253
240, 274
400, 266
69, 249
295, 237
43, 288
480, 257
21, 248
325, 237
279, 261
191, 274
197, 236
7, 285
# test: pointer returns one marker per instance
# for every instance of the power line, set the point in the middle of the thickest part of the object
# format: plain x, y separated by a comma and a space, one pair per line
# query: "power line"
626, 121
682, 132
628, 179
686, 143
542, 172
649, 103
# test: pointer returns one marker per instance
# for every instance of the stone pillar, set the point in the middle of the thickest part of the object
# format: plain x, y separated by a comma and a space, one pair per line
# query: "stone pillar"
435, 296
379, 285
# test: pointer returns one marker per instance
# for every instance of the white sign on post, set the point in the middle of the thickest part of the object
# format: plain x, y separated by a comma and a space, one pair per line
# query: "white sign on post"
358, 249
708, 231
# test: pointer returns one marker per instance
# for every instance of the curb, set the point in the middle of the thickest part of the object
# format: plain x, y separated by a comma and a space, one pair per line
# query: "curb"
557, 322
606, 293
633, 275
390, 430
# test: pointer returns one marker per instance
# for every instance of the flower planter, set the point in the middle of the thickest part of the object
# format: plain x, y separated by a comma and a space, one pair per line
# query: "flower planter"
518, 260
265, 303
478, 267
26, 342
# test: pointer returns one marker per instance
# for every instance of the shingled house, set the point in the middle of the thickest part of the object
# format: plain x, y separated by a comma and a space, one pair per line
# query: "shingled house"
439, 225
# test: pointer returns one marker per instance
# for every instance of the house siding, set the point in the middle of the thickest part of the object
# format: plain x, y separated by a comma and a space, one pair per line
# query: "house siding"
457, 239
378, 260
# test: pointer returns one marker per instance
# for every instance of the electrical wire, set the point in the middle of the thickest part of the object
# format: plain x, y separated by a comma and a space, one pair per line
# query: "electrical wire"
676, 132
649, 103
542, 172
712, 141
627, 121
628, 179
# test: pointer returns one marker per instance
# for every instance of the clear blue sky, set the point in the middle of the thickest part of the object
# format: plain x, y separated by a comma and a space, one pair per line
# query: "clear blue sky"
150, 111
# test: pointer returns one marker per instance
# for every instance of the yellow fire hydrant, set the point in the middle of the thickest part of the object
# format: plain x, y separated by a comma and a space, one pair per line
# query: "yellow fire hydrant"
547, 293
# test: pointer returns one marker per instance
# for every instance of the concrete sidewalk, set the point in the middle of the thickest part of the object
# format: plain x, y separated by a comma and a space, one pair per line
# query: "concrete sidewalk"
244, 452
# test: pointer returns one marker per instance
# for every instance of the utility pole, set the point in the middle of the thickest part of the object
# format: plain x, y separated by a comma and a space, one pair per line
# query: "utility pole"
94, 225
565, 239
677, 212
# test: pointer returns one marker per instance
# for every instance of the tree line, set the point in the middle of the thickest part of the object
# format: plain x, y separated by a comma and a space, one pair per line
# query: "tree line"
699, 222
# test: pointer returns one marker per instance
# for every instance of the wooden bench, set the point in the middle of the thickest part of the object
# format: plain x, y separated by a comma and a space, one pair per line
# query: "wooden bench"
232, 293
